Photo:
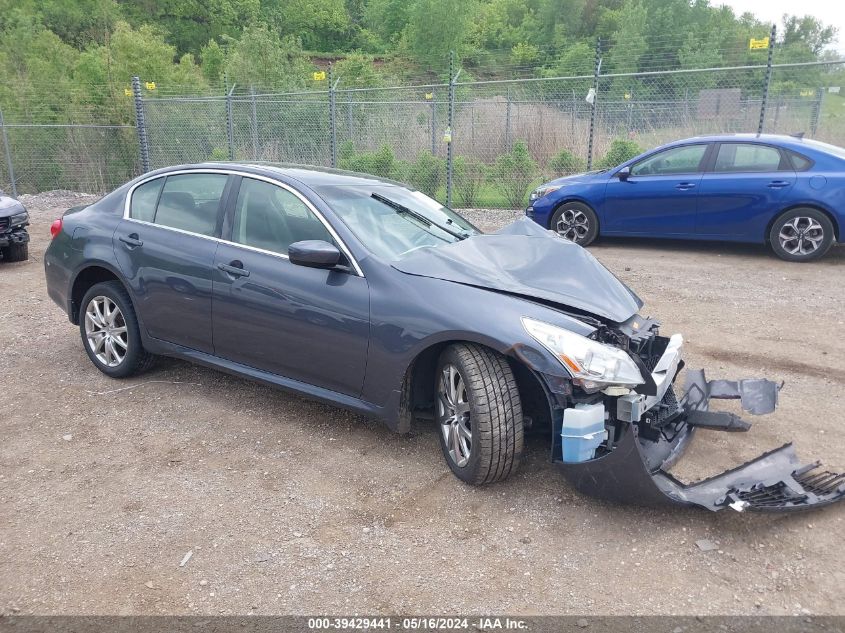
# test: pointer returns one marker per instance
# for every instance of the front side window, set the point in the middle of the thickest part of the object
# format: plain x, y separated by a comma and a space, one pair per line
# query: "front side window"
747, 157
191, 202
144, 200
392, 221
272, 218
677, 160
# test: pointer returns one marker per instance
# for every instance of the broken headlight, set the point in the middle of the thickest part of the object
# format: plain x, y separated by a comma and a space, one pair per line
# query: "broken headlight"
593, 365
19, 218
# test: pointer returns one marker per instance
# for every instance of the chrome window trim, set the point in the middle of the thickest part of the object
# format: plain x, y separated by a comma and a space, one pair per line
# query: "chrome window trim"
234, 172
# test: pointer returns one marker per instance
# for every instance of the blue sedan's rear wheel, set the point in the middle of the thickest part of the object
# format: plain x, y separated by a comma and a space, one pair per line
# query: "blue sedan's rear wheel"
576, 222
801, 235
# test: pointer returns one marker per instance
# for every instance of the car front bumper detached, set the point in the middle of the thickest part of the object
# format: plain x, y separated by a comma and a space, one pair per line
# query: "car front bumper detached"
647, 434
15, 236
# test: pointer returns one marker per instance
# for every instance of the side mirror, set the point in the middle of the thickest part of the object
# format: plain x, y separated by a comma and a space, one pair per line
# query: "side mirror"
314, 254
623, 174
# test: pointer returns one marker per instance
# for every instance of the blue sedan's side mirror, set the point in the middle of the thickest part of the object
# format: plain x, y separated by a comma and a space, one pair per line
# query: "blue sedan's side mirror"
623, 174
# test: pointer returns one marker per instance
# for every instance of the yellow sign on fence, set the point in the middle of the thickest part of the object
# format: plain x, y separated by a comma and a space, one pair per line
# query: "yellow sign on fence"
761, 43
127, 92
320, 75
429, 95
150, 85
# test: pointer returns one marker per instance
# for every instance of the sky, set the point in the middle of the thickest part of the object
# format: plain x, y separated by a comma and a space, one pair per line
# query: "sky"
830, 12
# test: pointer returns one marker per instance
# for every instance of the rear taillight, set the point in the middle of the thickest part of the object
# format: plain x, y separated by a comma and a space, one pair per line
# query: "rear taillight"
55, 228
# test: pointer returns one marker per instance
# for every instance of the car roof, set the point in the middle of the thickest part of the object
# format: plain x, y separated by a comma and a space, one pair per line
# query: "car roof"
783, 140
310, 175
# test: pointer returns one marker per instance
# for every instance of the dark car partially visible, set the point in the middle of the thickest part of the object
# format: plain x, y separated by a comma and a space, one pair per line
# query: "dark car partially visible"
14, 238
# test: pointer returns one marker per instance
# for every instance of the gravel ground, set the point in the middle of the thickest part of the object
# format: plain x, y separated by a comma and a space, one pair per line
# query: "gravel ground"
289, 506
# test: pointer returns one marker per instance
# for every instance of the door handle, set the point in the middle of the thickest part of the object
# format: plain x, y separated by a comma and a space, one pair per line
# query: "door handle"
131, 240
778, 184
234, 268
685, 186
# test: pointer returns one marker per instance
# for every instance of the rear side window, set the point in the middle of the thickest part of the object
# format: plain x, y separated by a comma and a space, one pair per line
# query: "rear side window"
191, 202
799, 162
748, 157
144, 200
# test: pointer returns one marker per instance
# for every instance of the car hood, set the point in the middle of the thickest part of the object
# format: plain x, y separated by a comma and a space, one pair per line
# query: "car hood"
527, 260
574, 179
9, 206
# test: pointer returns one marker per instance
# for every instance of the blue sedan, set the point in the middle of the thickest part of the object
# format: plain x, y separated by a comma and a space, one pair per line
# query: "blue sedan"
786, 191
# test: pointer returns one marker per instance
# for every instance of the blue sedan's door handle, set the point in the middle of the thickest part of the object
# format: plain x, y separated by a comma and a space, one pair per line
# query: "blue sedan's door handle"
684, 186
778, 184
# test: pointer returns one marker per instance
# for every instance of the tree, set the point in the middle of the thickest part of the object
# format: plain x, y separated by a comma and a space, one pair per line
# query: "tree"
437, 27
513, 174
356, 70
190, 24
213, 61
263, 60
387, 18
807, 32
322, 25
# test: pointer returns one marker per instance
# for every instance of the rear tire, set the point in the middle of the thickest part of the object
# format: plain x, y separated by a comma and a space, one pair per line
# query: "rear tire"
576, 222
110, 333
479, 414
801, 235
16, 252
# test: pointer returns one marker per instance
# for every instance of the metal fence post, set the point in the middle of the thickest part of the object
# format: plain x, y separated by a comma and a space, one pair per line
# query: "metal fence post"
254, 123
594, 104
8, 153
508, 119
230, 126
141, 125
816, 114
350, 124
433, 125
332, 117
449, 132
767, 80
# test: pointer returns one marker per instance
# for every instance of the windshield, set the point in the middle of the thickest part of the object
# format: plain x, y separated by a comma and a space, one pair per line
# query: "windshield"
391, 221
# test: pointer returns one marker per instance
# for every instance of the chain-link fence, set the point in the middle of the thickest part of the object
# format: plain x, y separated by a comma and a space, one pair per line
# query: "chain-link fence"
474, 143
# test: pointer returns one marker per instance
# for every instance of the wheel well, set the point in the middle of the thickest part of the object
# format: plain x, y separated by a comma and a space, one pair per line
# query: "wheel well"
579, 201
420, 385
827, 214
84, 280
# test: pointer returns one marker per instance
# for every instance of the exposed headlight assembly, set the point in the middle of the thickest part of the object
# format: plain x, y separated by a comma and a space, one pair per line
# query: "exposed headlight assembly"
593, 365
543, 190
19, 218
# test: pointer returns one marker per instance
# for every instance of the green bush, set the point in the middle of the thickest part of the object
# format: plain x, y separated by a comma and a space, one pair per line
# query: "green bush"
381, 163
468, 175
566, 163
620, 150
514, 173
427, 173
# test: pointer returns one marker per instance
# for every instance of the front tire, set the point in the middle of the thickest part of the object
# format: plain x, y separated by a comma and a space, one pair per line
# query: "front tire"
16, 252
479, 414
801, 235
110, 332
576, 222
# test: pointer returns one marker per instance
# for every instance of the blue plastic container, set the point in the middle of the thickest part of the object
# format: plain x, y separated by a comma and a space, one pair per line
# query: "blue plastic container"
582, 433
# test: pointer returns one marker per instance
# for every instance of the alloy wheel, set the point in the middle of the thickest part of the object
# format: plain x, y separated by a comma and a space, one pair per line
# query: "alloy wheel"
573, 225
105, 331
454, 415
801, 235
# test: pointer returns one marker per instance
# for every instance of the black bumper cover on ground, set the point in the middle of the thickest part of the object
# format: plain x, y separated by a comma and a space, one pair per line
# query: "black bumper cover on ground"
776, 481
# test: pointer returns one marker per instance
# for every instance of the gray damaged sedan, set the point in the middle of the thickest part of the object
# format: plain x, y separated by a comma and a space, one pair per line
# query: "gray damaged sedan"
371, 296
